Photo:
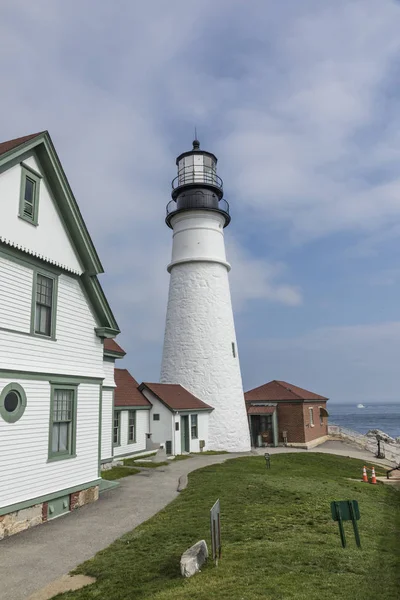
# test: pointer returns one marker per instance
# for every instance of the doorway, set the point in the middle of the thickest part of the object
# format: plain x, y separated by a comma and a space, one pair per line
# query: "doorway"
185, 442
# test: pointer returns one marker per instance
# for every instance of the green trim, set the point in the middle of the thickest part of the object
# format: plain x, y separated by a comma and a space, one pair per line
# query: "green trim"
108, 388
48, 497
134, 428
100, 420
19, 411
118, 443
33, 171
28, 173
106, 332
107, 358
71, 452
27, 260
54, 278
108, 354
43, 149
106, 460
106, 485
51, 377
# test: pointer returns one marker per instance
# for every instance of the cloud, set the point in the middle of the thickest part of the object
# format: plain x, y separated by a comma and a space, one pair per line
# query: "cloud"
296, 99
352, 363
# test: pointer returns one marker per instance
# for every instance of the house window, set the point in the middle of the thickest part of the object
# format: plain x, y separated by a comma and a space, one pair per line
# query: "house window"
117, 428
131, 426
193, 426
176, 426
29, 195
311, 416
321, 418
233, 350
44, 305
156, 417
12, 402
63, 422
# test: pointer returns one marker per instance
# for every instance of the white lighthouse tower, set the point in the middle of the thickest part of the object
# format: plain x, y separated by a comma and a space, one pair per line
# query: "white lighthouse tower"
200, 349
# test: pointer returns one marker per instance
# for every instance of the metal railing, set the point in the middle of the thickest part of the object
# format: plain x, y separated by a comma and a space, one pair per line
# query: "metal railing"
197, 174
223, 206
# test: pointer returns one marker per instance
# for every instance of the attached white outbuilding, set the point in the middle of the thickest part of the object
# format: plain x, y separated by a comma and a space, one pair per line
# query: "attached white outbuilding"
178, 420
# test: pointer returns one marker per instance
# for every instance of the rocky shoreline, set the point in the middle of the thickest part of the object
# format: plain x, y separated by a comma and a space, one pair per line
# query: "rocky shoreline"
390, 446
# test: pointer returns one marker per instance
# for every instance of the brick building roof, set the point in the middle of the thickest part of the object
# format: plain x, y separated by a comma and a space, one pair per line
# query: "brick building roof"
261, 410
175, 396
127, 392
280, 390
11, 144
112, 347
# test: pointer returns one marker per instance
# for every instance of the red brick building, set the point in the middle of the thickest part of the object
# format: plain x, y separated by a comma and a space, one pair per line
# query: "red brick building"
281, 413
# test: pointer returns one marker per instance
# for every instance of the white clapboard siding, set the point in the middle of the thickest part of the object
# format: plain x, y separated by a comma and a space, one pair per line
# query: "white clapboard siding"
15, 295
24, 471
76, 351
142, 427
108, 367
50, 239
161, 430
106, 424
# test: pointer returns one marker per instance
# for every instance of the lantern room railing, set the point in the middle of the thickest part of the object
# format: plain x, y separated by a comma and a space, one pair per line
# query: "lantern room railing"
223, 207
195, 174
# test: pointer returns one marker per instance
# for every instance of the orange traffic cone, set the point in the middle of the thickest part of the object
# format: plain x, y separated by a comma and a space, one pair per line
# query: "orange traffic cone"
365, 476
373, 476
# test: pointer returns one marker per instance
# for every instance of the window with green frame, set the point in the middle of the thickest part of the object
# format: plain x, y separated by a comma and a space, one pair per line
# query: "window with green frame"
117, 428
44, 303
62, 439
193, 427
29, 195
131, 426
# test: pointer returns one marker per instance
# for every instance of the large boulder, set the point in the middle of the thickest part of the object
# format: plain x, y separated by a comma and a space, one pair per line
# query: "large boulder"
193, 559
372, 433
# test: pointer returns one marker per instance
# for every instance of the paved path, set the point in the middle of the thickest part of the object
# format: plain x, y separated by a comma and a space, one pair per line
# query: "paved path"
33, 559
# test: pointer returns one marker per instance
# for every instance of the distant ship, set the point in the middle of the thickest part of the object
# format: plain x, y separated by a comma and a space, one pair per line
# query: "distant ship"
360, 406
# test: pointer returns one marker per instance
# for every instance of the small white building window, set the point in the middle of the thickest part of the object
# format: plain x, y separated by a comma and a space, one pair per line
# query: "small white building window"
156, 417
131, 426
193, 427
311, 417
117, 428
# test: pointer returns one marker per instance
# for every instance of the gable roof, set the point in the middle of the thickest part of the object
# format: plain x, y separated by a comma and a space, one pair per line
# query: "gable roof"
127, 393
41, 145
175, 396
280, 390
111, 348
11, 144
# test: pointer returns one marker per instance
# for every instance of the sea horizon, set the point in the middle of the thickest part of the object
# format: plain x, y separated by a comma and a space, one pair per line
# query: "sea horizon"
375, 415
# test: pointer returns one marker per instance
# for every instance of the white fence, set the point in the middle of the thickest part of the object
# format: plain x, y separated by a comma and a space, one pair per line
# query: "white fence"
391, 449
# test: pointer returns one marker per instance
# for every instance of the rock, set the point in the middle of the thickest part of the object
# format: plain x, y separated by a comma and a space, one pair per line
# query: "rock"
182, 483
385, 438
193, 559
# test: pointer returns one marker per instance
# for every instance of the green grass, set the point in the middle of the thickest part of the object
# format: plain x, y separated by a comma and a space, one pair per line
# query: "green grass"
149, 465
279, 541
118, 473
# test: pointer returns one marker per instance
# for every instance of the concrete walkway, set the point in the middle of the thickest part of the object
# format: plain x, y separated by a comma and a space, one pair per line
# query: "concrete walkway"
33, 559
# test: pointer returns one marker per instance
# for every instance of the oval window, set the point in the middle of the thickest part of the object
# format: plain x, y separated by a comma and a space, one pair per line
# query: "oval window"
12, 402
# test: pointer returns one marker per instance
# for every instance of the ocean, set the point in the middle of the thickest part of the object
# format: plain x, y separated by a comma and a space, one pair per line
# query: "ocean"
385, 417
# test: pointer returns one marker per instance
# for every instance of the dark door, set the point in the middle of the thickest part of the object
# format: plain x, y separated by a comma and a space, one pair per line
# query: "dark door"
185, 443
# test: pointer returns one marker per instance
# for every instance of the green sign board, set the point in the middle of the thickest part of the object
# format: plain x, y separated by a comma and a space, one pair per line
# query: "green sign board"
346, 510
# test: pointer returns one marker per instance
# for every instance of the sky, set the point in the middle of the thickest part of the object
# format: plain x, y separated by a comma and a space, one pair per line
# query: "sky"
300, 102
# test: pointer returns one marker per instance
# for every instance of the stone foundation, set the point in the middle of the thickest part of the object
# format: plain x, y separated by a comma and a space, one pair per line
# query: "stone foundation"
20, 520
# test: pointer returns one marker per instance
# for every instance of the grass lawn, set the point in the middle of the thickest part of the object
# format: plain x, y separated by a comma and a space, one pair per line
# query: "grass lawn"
149, 465
118, 472
279, 541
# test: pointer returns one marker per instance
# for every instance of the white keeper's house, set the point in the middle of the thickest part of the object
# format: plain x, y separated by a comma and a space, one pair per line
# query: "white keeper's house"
54, 318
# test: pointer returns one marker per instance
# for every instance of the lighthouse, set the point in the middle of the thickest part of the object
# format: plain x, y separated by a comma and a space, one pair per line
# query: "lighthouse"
200, 348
